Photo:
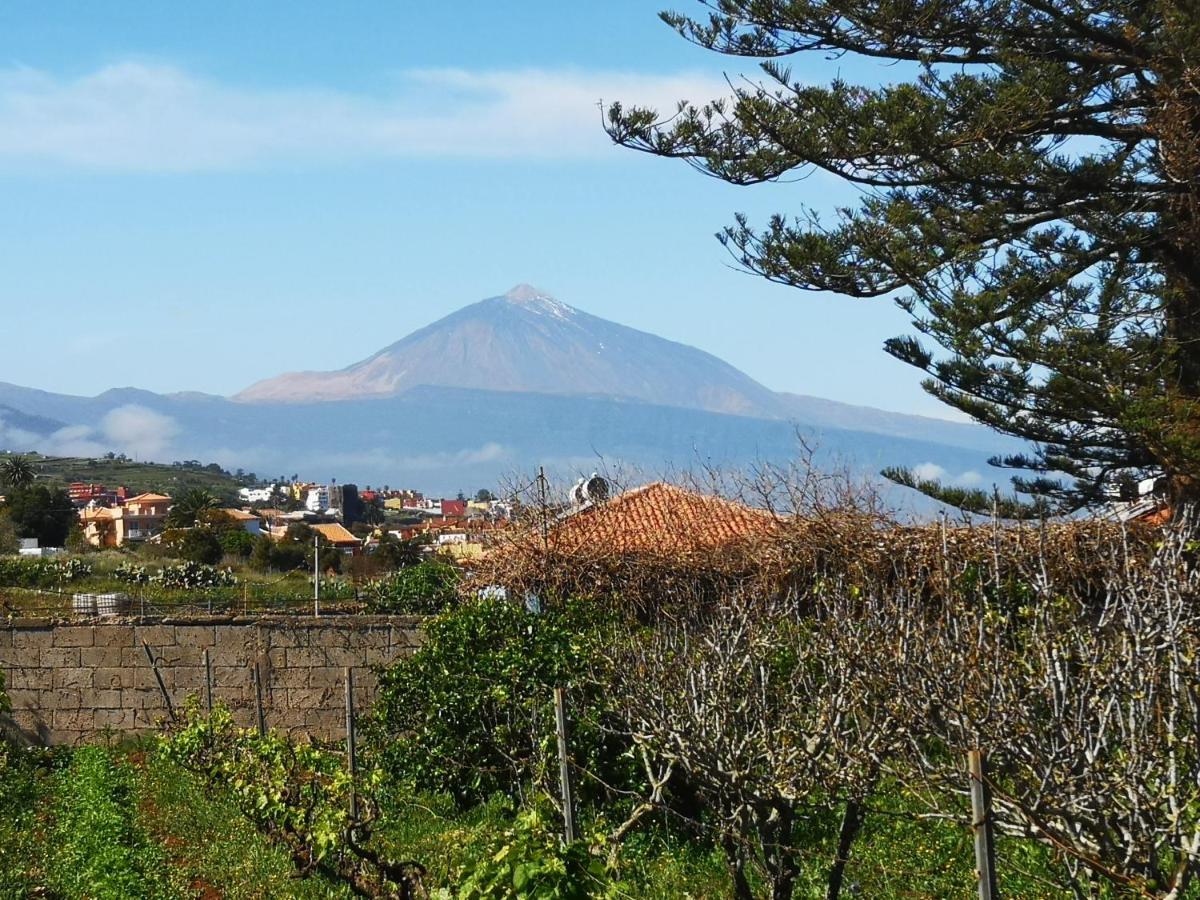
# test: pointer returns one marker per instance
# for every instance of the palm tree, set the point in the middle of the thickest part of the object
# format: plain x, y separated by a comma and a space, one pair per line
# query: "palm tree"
190, 505
17, 471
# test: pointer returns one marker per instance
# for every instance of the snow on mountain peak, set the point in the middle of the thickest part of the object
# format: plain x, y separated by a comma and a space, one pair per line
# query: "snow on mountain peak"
528, 297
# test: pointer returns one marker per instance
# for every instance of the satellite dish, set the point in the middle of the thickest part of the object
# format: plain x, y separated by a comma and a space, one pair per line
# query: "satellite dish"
589, 490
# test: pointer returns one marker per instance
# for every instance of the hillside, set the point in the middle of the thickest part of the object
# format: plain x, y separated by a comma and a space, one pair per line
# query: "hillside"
139, 477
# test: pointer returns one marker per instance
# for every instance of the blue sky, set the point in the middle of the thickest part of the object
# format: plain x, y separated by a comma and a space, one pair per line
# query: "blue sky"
197, 196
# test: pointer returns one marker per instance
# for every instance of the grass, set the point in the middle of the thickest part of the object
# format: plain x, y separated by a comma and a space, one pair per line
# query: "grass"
25, 794
216, 850
107, 823
98, 848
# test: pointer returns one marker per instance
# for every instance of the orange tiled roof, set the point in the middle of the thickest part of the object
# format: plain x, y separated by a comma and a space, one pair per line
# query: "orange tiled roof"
239, 515
335, 533
660, 518
148, 498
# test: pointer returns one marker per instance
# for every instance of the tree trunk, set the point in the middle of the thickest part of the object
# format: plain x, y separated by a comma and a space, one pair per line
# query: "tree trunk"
852, 822
776, 834
737, 868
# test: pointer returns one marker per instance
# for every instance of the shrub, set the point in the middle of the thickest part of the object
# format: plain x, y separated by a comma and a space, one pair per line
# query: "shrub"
237, 542
530, 862
41, 573
470, 712
193, 575
297, 793
428, 587
199, 545
131, 573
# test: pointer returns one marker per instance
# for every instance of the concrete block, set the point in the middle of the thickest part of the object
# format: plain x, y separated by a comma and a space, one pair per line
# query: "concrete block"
325, 677
108, 698
62, 698
176, 655
114, 636
30, 678
118, 719
134, 657
6, 638
290, 678
144, 677
113, 677
335, 636
33, 638
195, 636
142, 698
59, 657
73, 636
303, 700
100, 657
73, 678
287, 636
189, 678
231, 676
24, 698
157, 636
149, 718
306, 657
73, 719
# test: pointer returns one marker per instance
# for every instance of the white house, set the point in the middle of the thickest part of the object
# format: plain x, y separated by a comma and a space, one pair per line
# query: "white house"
317, 499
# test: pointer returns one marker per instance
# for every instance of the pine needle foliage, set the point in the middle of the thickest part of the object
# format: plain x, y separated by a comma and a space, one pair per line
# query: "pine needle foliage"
1030, 195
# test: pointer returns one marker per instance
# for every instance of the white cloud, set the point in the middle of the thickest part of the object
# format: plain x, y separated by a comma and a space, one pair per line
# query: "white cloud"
139, 431
930, 471
132, 429
152, 117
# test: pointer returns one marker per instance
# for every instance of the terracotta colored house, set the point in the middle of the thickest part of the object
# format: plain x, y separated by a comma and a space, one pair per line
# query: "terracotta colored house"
141, 517
336, 536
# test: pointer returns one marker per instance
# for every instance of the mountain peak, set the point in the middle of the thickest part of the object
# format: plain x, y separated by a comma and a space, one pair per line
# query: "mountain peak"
527, 341
523, 293
527, 297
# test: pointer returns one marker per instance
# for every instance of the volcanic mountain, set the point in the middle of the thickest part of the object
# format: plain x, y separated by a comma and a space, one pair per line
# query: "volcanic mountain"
526, 341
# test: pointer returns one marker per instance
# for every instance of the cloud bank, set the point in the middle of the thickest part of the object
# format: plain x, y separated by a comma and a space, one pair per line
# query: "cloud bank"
131, 429
137, 116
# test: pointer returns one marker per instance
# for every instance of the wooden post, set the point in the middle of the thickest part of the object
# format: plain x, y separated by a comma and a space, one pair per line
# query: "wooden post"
564, 769
258, 700
981, 824
351, 757
162, 687
208, 684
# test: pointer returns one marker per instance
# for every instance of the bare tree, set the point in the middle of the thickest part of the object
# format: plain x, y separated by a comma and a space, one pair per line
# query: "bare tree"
754, 703
1089, 709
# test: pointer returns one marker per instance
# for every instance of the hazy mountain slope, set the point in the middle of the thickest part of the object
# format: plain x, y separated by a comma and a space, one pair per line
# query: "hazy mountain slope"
32, 424
451, 438
526, 341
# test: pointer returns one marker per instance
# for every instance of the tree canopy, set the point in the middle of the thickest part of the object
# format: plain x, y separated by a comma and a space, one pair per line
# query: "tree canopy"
1030, 194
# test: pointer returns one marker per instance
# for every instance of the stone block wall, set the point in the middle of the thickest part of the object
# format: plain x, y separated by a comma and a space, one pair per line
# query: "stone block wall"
76, 681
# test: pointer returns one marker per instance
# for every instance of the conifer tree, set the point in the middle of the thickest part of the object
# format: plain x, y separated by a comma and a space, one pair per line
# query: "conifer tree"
1030, 195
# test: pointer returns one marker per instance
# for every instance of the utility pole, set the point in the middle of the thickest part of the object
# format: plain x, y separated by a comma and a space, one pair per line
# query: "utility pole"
316, 576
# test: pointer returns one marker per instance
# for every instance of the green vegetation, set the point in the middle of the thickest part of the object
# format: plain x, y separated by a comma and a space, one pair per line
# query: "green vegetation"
469, 714
41, 512
429, 586
138, 477
98, 849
